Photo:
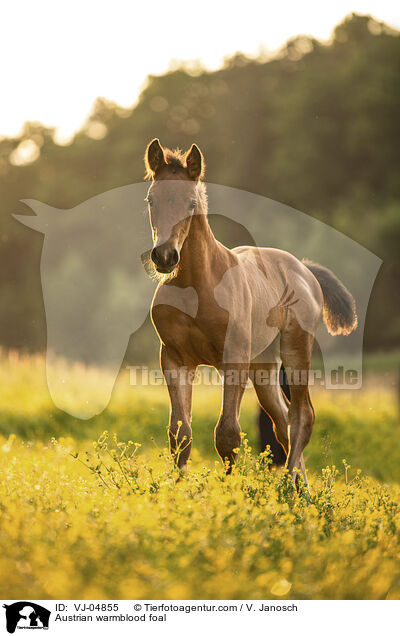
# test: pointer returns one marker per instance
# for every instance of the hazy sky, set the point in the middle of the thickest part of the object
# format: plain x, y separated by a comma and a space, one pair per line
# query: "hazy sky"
58, 56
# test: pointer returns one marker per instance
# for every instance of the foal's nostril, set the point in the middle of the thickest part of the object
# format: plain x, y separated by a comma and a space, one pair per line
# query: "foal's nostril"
154, 256
174, 257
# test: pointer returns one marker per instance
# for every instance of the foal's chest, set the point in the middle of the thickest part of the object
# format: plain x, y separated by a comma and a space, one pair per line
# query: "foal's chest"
192, 325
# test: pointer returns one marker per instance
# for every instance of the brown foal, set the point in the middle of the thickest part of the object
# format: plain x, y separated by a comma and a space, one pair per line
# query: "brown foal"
225, 308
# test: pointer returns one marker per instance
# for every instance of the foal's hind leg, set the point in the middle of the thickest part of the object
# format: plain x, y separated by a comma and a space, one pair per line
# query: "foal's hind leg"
296, 349
272, 399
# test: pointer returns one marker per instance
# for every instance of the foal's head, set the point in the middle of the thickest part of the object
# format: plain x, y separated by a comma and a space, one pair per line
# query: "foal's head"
173, 198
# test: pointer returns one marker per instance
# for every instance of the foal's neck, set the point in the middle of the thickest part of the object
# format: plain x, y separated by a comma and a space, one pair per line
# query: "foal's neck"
200, 253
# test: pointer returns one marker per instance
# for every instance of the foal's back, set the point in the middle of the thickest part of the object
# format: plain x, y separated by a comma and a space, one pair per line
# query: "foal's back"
278, 282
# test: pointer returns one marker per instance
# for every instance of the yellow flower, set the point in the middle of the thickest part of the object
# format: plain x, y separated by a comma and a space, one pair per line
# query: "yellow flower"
281, 587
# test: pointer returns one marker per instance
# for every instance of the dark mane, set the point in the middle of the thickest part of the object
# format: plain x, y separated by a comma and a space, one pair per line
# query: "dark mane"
175, 160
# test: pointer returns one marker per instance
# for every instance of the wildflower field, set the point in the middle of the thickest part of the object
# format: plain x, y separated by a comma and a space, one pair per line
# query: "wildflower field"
95, 510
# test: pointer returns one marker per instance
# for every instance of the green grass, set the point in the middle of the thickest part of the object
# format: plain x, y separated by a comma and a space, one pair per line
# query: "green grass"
359, 425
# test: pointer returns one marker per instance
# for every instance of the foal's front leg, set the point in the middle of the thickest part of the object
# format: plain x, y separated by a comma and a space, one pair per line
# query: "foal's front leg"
180, 394
227, 431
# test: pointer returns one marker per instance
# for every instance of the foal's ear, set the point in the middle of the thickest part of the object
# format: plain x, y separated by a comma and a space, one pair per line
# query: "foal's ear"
154, 157
194, 163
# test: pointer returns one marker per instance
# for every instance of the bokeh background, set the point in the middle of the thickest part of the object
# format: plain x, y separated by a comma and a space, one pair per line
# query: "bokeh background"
314, 126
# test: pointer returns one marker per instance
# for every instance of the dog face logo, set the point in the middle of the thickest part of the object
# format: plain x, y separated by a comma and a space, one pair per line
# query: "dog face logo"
26, 615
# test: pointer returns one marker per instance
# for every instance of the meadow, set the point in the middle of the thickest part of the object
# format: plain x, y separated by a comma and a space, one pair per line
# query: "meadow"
95, 509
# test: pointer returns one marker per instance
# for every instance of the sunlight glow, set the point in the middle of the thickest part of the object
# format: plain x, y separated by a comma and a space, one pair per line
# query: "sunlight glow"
25, 153
59, 57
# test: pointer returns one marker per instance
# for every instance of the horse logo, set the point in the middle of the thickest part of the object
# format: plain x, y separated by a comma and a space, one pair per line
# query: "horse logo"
97, 293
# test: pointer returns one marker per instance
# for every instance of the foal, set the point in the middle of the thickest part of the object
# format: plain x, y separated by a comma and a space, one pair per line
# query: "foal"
220, 307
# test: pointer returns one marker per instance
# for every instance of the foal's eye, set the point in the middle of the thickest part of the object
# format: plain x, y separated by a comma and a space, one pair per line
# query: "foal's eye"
193, 204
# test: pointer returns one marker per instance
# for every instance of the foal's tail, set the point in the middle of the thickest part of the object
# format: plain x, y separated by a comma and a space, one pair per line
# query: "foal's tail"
339, 312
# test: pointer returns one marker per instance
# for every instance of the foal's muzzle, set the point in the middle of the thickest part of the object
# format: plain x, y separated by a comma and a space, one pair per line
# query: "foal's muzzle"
165, 258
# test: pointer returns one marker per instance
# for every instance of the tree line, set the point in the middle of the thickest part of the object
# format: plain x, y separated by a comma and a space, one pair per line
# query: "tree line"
316, 127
